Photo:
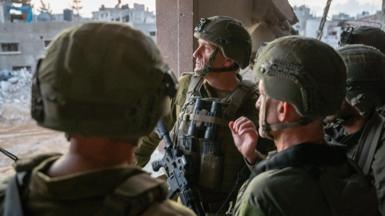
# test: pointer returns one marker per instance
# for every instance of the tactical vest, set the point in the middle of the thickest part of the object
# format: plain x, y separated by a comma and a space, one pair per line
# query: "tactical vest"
133, 196
198, 126
369, 142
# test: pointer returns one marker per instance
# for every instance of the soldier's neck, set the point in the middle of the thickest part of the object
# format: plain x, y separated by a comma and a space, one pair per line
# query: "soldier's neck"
226, 81
92, 154
310, 133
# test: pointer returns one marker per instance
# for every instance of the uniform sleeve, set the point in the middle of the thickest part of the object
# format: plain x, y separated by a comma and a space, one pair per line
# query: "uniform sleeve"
378, 169
146, 147
147, 144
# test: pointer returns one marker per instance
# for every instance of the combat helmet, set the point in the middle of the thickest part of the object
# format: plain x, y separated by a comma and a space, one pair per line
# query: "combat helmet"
101, 79
367, 35
229, 35
365, 84
305, 72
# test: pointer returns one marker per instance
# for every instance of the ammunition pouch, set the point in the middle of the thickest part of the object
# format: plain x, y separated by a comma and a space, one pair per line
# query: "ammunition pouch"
197, 139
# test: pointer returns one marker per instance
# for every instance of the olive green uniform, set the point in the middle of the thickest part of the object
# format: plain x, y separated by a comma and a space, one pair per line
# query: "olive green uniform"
368, 150
88, 193
233, 160
301, 180
365, 92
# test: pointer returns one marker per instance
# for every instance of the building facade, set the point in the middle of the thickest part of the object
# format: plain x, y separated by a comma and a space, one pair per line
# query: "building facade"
22, 43
137, 16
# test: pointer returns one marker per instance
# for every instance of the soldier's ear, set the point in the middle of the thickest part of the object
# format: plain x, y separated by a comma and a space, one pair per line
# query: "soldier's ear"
286, 111
228, 62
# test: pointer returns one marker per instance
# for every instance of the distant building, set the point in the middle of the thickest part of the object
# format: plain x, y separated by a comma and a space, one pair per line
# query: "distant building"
303, 14
341, 17
21, 44
308, 24
374, 20
138, 17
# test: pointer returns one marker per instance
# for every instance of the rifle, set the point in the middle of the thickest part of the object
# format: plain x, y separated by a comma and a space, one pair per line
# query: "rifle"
9, 154
175, 164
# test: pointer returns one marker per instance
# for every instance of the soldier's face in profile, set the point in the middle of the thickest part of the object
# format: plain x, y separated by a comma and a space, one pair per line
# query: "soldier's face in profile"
203, 53
348, 114
266, 108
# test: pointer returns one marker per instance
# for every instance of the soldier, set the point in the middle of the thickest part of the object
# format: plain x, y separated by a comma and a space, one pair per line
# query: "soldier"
224, 46
367, 35
363, 127
301, 81
104, 85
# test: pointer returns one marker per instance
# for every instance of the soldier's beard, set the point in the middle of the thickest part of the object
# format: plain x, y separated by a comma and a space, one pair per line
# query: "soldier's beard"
348, 114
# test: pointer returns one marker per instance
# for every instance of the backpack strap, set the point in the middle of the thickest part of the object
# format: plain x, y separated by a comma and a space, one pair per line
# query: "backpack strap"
368, 143
134, 195
188, 91
236, 99
13, 204
194, 86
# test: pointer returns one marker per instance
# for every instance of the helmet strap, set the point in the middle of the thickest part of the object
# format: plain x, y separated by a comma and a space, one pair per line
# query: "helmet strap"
280, 126
267, 128
264, 126
207, 68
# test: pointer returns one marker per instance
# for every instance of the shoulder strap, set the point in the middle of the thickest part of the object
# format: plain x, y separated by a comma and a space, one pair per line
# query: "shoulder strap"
368, 143
236, 98
132, 197
12, 203
194, 85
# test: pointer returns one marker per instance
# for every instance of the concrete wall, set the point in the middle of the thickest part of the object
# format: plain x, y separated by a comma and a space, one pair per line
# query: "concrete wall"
31, 39
174, 19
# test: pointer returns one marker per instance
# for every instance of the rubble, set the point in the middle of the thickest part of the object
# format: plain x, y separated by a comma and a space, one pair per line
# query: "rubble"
15, 94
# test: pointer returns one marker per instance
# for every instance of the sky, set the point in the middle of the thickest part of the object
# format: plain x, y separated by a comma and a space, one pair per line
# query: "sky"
351, 7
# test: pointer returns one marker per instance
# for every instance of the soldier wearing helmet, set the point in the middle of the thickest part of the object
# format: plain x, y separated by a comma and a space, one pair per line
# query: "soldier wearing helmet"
224, 46
362, 126
105, 86
301, 80
367, 35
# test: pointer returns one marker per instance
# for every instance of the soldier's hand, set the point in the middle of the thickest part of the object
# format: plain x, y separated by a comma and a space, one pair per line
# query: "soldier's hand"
245, 136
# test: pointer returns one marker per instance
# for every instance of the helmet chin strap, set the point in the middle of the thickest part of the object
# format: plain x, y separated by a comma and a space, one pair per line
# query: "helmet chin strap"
207, 68
267, 128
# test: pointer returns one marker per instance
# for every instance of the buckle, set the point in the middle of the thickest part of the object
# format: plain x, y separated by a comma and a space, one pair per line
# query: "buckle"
201, 25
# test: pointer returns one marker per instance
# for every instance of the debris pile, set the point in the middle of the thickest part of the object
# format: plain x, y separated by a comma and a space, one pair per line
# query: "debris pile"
15, 94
